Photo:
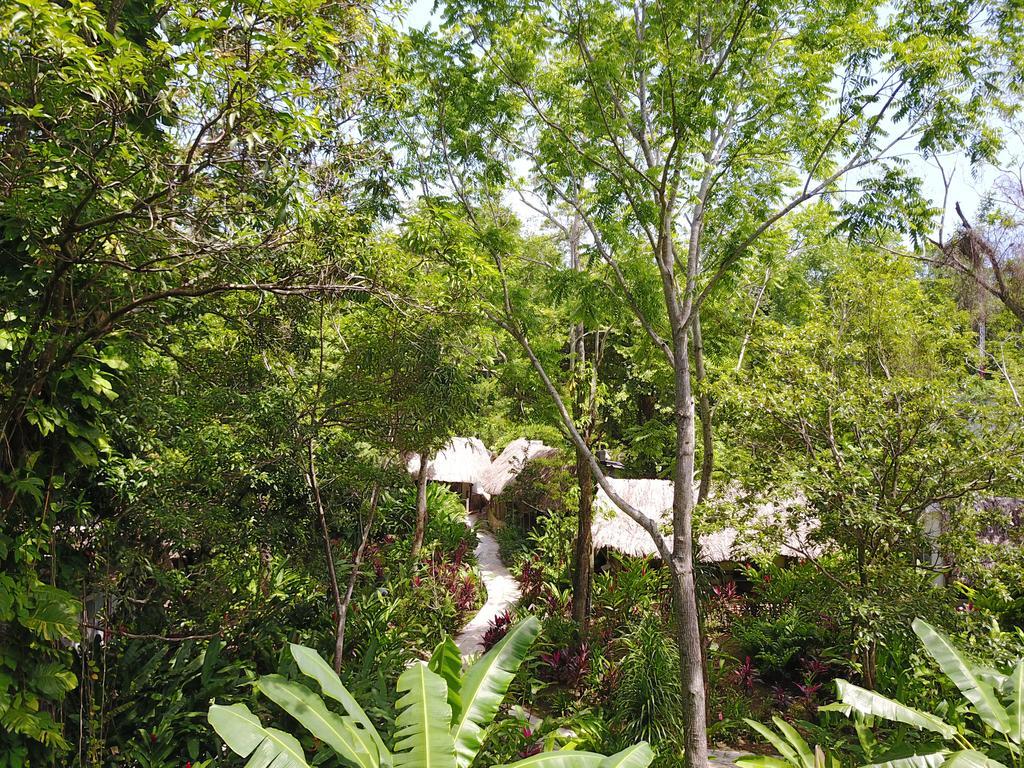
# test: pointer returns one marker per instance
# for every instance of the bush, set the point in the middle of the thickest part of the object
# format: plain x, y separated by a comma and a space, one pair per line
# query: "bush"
779, 644
647, 703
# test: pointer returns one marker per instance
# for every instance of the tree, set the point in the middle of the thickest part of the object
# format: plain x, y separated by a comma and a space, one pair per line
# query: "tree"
682, 135
866, 411
154, 157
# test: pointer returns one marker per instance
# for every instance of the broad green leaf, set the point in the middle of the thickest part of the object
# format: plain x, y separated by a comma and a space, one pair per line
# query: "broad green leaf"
991, 676
794, 738
53, 613
352, 744
970, 758
313, 665
780, 744
926, 760
762, 761
979, 692
870, 703
446, 661
422, 735
52, 680
245, 735
638, 756
1016, 685
484, 686
563, 758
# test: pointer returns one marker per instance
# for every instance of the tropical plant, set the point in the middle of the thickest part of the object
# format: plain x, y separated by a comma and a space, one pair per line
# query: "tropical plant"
778, 643
792, 747
648, 701
991, 736
37, 622
442, 719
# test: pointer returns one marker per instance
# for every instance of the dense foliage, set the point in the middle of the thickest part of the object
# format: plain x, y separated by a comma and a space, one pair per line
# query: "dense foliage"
256, 254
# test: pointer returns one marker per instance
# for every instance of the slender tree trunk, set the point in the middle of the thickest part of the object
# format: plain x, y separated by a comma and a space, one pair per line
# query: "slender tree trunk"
707, 463
318, 506
421, 505
691, 653
753, 319
357, 561
583, 557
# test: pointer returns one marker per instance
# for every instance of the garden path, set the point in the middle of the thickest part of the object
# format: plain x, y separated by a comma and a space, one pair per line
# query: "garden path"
502, 590
502, 593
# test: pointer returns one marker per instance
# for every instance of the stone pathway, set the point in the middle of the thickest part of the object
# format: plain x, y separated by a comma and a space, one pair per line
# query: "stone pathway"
502, 591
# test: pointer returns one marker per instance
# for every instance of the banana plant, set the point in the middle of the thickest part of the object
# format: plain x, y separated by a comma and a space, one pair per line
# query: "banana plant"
443, 714
996, 700
793, 749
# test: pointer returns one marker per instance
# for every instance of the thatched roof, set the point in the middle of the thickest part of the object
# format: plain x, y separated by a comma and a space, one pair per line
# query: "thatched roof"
1006, 525
462, 460
510, 463
613, 529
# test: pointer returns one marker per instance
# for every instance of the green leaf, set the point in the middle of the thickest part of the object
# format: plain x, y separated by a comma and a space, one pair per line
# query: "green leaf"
926, 760
446, 661
313, 665
762, 761
970, 758
780, 744
564, 758
53, 613
1016, 713
979, 692
352, 745
422, 738
638, 756
52, 680
84, 453
484, 686
802, 748
870, 703
245, 735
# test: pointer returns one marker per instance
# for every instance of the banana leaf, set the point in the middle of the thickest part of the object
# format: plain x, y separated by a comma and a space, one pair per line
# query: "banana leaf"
484, 687
243, 732
976, 690
352, 744
422, 735
870, 703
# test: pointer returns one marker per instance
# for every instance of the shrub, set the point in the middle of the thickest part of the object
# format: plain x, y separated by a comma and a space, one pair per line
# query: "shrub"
648, 701
779, 643
428, 733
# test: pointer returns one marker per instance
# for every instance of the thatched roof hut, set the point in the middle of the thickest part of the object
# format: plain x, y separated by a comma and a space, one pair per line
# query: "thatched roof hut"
510, 463
613, 529
1007, 520
464, 460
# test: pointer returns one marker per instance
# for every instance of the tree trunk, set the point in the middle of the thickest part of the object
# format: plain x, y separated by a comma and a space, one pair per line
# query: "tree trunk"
583, 557
357, 561
421, 505
707, 464
318, 505
691, 655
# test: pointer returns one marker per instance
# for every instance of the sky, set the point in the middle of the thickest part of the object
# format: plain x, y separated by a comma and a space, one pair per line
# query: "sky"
968, 186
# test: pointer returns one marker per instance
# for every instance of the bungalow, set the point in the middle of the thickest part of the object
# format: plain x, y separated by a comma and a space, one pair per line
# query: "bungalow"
461, 465
614, 530
506, 468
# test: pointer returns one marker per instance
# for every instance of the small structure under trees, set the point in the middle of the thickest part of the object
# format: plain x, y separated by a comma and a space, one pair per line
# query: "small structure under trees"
510, 463
613, 529
461, 465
